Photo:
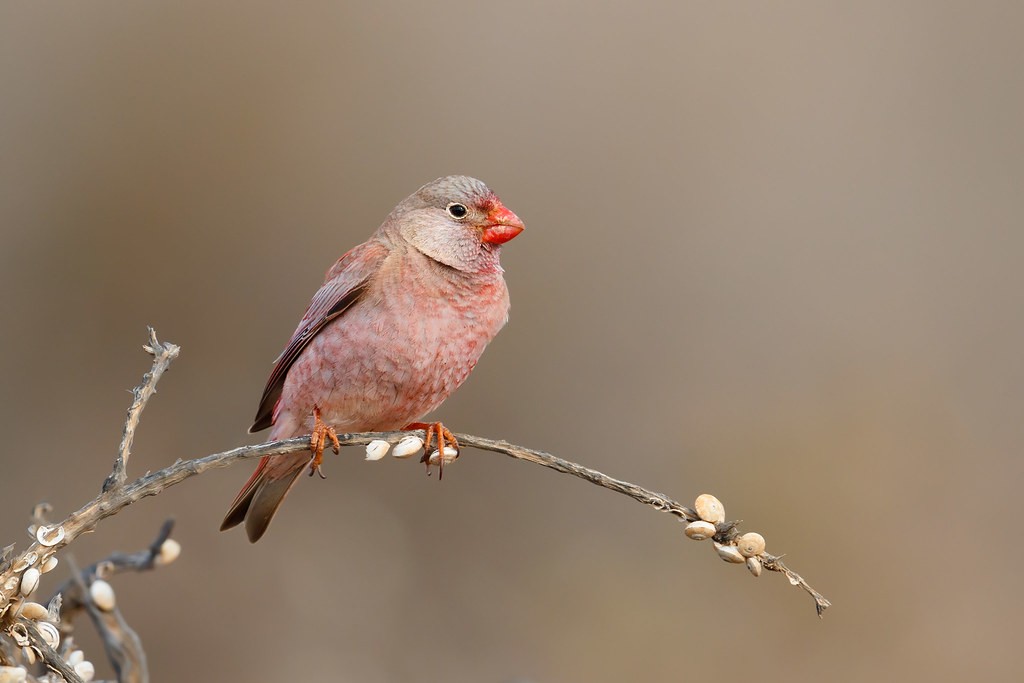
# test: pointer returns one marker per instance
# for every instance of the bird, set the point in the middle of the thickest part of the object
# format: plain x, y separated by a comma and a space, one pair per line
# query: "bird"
397, 326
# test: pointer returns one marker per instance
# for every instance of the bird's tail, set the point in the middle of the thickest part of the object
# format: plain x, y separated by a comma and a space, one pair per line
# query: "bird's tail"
258, 501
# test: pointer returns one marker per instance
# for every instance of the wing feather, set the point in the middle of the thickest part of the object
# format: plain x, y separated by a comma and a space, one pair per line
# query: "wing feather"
346, 282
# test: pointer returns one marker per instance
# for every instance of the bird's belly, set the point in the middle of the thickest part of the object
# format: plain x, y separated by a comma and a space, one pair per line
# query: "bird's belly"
373, 370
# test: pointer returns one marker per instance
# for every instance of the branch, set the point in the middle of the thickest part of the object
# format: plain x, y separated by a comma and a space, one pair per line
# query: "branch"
73, 591
162, 354
116, 498
53, 661
725, 531
122, 643
112, 502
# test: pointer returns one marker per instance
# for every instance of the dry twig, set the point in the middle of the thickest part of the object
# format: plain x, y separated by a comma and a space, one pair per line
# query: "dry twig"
53, 661
163, 355
122, 643
116, 497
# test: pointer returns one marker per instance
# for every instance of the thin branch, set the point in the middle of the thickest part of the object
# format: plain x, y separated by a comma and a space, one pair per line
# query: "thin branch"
775, 564
53, 661
657, 501
75, 599
117, 494
112, 502
122, 643
163, 355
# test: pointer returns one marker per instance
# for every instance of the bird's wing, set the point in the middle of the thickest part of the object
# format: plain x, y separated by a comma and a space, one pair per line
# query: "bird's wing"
346, 282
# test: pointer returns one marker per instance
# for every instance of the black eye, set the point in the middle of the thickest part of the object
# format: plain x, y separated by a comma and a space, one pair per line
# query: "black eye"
457, 211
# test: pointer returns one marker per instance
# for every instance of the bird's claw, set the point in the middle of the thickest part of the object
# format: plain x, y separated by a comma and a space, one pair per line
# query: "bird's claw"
444, 438
322, 432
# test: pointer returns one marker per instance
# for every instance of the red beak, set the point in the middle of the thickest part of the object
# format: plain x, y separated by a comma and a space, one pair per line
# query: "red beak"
502, 225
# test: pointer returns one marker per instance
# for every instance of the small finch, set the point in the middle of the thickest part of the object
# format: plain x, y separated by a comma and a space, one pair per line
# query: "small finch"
397, 326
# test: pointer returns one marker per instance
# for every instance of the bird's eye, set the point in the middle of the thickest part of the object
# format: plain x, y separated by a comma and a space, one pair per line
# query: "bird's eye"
457, 211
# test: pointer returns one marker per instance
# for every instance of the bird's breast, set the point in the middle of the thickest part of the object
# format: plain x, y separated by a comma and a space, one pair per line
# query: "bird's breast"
398, 353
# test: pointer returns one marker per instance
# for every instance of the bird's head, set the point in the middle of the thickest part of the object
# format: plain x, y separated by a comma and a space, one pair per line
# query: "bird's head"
457, 221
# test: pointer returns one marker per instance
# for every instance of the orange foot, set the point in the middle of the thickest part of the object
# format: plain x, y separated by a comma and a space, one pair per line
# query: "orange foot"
318, 441
444, 438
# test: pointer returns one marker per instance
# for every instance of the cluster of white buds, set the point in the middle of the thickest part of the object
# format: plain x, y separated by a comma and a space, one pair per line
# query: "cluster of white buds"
21, 586
746, 549
407, 447
27, 570
23, 582
26, 573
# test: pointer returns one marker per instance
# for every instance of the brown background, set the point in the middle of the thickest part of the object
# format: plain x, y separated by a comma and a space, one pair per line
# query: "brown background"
773, 252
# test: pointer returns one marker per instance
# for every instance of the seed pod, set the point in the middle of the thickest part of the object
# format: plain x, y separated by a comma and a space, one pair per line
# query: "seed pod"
85, 670
169, 551
729, 553
710, 508
102, 594
13, 674
750, 544
29, 581
49, 536
34, 611
700, 531
375, 450
75, 657
49, 633
450, 455
407, 446
48, 564
754, 565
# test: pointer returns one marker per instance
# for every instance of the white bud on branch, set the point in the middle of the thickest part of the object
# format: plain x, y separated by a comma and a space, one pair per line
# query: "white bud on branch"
102, 594
450, 455
85, 670
34, 611
49, 536
729, 553
169, 551
377, 449
709, 508
750, 544
29, 581
407, 447
700, 531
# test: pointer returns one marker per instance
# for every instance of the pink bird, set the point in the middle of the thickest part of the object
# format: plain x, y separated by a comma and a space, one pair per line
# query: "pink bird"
397, 326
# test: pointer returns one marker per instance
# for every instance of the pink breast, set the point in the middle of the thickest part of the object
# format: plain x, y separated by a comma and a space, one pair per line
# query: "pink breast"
397, 354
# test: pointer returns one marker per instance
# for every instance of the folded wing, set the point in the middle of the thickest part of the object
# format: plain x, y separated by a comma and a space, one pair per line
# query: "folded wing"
345, 284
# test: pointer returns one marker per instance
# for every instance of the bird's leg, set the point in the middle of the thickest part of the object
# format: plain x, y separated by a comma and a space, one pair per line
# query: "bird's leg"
444, 438
318, 441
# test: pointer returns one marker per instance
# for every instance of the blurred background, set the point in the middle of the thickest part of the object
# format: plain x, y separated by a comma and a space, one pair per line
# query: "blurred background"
773, 252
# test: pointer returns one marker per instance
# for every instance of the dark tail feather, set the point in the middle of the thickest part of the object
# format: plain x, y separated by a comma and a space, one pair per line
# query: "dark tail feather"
259, 500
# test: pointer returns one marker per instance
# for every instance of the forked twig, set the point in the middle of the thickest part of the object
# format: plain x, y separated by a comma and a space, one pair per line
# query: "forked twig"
163, 355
